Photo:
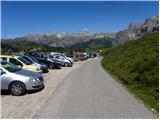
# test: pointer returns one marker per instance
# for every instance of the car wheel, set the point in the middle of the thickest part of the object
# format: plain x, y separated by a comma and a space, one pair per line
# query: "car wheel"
66, 64
51, 66
17, 88
70, 65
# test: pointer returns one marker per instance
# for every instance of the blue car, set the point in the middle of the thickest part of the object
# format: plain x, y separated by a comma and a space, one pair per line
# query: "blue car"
43, 67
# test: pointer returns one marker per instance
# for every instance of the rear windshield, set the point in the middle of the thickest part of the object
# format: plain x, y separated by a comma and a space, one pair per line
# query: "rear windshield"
24, 61
10, 67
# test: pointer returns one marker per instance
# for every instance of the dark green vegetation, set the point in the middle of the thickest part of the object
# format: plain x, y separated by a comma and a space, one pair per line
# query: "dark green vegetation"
93, 45
136, 65
13, 46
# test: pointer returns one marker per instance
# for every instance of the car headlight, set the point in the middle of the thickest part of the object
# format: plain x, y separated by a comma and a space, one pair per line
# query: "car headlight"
38, 69
33, 79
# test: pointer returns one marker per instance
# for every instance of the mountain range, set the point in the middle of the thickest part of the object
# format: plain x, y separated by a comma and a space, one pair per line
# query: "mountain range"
66, 39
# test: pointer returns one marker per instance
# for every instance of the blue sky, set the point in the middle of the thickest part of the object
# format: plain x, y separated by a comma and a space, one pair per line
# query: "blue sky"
21, 18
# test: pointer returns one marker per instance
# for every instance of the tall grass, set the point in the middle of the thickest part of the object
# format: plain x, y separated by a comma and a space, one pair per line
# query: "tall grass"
136, 65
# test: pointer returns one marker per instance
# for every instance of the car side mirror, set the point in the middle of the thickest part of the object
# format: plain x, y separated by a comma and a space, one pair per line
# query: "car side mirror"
2, 72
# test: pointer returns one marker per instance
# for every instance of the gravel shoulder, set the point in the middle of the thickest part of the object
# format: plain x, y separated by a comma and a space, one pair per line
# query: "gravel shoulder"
26, 106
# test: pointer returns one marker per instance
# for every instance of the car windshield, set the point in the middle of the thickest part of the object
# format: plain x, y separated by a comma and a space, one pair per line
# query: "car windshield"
28, 59
24, 61
63, 56
10, 67
35, 60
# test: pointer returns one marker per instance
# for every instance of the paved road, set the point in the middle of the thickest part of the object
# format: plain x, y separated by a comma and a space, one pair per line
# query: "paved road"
89, 92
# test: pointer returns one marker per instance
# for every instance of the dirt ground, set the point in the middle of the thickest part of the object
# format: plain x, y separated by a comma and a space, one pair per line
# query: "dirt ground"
26, 106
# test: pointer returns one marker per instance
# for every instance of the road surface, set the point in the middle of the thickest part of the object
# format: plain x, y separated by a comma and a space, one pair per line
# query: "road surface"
89, 92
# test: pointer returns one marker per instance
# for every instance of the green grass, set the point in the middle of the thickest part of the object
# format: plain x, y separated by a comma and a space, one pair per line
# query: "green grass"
136, 65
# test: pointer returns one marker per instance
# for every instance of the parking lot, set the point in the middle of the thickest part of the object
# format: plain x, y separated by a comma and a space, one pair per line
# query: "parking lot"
26, 106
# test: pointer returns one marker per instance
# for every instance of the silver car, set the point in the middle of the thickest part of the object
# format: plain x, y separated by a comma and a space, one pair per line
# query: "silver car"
17, 80
63, 61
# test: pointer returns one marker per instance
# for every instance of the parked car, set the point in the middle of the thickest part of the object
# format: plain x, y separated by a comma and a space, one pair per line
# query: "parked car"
63, 55
42, 66
79, 56
86, 55
63, 60
17, 80
93, 55
43, 58
72, 57
21, 62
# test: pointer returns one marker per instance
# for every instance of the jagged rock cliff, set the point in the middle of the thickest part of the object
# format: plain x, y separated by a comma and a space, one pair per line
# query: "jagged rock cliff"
136, 30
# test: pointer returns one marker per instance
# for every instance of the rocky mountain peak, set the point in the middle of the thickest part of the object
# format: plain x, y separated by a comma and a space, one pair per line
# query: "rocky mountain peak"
104, 35
152, 20
136, 30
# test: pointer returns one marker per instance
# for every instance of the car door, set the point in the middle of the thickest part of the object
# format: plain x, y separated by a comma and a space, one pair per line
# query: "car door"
3, 78
57, 57
61, 57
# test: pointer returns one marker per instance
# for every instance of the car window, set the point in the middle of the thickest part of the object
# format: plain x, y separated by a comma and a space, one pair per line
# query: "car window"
31, 54
4, 58
26, 58
10, 67
51, 56
24, 61
15, 62
35, 60
61, 57
57, 57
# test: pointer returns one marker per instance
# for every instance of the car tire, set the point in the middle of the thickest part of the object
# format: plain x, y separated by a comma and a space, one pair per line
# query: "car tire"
17, 88
71, 65
66, 64
51, 66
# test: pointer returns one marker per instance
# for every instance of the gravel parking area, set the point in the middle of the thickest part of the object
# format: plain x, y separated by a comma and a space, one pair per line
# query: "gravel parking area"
26, 106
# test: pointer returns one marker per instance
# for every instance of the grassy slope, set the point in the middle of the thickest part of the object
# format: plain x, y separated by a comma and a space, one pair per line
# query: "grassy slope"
136, 65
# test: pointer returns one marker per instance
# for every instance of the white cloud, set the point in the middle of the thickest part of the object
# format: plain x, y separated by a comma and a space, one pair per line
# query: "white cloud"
84, 29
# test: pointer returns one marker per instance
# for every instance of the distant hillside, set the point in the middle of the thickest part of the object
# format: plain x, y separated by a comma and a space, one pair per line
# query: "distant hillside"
13, 46
136, 65
93, 45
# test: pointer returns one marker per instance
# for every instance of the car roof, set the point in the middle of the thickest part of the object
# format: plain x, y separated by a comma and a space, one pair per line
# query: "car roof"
58, 54
11, 56
25, 56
